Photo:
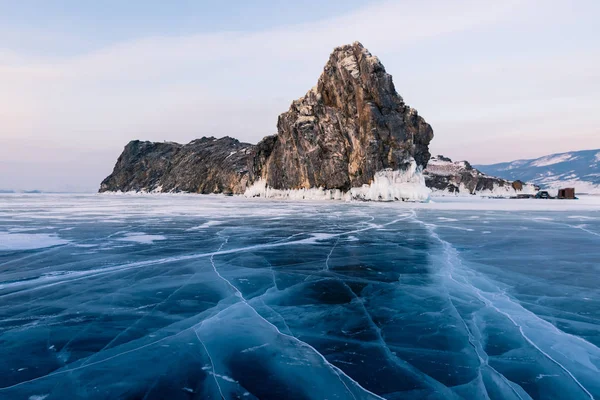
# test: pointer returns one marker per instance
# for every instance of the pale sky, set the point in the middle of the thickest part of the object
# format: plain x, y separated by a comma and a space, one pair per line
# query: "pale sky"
497, 80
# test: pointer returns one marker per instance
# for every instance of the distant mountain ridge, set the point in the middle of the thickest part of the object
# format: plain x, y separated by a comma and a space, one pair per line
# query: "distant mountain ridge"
578, 169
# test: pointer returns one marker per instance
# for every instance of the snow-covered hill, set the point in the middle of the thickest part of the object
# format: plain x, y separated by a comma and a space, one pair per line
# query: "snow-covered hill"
578, 169
446, 177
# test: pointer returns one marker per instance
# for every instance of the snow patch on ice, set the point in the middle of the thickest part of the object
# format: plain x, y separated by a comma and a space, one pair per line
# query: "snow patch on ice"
205, 225
447, 219
142, 238
28, 241
387, 185
224, 377
581, 217
251, 349
318, 236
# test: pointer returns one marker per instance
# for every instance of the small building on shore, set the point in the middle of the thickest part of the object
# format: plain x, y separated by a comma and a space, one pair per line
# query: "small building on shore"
566, 193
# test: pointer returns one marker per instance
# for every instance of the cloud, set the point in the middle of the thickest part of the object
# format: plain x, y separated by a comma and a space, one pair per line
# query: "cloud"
236, 83
188, 82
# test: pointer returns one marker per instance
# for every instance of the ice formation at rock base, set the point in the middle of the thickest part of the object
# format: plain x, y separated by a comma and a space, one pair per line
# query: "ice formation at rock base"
387, 185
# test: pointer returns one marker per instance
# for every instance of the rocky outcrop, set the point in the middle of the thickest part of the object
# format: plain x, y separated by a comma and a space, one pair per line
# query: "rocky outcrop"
345, 131
206, 165
443, 176
348, 127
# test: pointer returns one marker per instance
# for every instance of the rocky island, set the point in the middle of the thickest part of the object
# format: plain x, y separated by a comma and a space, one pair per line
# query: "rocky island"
351, 136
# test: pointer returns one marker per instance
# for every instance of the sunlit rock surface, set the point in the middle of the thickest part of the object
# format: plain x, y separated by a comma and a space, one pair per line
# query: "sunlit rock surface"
187, 297
351, 125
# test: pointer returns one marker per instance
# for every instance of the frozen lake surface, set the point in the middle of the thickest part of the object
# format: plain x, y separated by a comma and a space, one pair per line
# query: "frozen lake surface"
208, 297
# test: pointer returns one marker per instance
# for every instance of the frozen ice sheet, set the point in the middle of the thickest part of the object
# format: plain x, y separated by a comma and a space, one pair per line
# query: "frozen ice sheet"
252, 298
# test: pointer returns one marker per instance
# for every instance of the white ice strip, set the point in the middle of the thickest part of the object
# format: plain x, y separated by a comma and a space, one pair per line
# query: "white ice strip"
387, 185
205, 225
28, 241
251, 349
142, 238
575, 356
77, 209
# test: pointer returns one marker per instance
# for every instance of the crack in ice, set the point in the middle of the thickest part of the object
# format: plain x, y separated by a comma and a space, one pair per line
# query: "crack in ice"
489, 304
335, 369
214, 374
472, 341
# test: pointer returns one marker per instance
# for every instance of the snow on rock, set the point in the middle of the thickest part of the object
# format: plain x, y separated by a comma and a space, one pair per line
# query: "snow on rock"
459, 178
350, 64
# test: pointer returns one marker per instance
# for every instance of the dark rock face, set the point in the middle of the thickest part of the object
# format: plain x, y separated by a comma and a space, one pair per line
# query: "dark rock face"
206, 165
444, 175
344, 130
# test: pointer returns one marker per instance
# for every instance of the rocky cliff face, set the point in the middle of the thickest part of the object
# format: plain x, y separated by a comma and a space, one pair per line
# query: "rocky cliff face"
443, 176
348, 127
340, 135
206, 165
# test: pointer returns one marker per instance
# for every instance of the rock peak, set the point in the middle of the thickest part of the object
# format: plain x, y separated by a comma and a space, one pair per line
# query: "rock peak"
348, 127
355, 59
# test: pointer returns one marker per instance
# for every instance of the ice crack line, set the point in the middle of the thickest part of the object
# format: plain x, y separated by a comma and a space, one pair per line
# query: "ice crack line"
212, 364
330, 253
335, 369
451, 253
580, 227
449, 249
150, 313
475, 343
536, 347
94, 363
64, 371
75, 276
384, 346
